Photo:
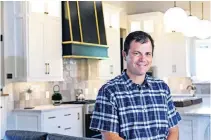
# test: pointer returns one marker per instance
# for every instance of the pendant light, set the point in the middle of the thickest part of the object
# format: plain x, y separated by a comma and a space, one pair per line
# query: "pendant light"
190, 25
204, 27
174, 18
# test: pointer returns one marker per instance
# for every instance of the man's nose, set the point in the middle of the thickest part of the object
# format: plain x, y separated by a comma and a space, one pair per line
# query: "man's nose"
142, 57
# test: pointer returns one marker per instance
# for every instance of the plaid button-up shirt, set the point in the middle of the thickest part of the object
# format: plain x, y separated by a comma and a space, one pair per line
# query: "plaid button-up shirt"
135, 112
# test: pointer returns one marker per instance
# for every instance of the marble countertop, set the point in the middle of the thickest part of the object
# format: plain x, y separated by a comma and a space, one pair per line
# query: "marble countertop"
202, 109
45, 108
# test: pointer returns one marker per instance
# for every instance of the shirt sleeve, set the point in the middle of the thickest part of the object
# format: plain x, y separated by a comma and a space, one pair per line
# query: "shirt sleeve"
105, 117
173, 116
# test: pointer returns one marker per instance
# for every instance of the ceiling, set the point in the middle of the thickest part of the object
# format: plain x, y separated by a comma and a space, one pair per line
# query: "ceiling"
136, 7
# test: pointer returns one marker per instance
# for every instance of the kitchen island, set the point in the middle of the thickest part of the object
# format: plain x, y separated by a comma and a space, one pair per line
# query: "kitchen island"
195, 123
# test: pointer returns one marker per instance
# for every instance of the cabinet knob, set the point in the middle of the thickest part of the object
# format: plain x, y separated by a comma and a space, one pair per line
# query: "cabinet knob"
46, 13
1, 107
59, 126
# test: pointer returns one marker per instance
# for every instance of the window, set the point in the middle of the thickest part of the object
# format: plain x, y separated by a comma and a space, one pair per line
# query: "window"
203, 56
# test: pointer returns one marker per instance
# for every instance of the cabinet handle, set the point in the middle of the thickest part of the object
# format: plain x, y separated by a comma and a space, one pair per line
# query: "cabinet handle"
1, 107
67, 114
46, 13
67, 128
51, 117
78, 116
46, 68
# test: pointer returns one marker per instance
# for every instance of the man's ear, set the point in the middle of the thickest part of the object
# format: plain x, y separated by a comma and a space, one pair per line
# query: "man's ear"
124, 54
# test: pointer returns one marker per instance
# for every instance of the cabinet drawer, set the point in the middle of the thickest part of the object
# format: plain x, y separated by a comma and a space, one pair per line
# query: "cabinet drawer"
70, 116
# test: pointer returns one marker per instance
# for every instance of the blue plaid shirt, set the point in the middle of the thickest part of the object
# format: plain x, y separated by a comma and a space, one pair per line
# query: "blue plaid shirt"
135, 112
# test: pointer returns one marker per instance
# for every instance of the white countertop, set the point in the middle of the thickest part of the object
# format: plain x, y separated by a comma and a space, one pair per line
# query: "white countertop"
45, 108
202, 109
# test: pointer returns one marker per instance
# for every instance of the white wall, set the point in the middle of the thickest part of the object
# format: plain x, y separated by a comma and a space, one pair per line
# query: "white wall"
135, 7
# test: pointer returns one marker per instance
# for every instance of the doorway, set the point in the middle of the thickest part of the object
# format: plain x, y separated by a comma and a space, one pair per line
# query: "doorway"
123, 34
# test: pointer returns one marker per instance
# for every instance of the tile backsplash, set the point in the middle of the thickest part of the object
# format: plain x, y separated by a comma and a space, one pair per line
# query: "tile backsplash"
78, 74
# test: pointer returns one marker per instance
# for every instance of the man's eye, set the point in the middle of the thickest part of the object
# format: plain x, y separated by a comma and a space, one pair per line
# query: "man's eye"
136, 53
149, 54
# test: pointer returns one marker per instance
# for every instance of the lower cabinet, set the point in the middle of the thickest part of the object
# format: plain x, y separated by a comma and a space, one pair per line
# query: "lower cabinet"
66, 121
196, 127
3, 116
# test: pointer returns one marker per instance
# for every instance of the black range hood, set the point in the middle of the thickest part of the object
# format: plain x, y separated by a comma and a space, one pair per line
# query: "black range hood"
83, 30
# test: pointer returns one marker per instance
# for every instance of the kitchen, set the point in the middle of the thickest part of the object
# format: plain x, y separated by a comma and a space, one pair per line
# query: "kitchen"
26, 68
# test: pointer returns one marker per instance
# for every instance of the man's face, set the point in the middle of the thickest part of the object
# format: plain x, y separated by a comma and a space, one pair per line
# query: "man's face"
139, 58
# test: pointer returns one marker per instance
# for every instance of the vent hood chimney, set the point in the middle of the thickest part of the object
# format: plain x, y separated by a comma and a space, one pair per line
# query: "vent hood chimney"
83, 30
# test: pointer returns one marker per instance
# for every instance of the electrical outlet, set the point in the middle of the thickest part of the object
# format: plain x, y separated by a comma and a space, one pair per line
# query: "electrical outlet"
174, 68
47, 94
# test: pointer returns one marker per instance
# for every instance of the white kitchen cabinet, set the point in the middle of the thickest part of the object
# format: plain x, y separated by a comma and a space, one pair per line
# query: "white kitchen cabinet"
149, 22
33, 44
67, 121
1, 53
111, 68
194, 127
3, 115
171, 56
111, 16
51, 8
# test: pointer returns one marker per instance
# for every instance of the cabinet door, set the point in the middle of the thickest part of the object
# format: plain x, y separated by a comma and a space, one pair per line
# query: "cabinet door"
53, 122
179, 47
53, 48
3, 116
36, 65
111, 17
1, 57
54, 8
77, 122
186, 130
110, 68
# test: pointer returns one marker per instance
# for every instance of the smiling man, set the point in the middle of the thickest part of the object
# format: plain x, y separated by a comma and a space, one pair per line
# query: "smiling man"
133, 105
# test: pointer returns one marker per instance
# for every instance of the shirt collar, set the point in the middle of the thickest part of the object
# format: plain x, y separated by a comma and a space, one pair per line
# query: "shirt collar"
130, 83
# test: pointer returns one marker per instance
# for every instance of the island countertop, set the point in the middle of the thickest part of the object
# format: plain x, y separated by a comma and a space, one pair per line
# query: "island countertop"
202, 109
44, 108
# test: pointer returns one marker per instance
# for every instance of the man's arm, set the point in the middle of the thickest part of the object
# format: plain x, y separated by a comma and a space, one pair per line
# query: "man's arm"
173, 133
111, 136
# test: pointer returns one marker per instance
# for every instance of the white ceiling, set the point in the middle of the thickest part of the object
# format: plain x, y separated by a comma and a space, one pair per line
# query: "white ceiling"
136, 7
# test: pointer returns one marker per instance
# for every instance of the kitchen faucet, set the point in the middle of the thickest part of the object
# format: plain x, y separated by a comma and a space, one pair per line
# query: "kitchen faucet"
191, 89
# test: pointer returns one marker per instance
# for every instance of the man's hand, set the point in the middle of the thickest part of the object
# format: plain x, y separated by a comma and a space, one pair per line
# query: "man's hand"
111, 136
173, 133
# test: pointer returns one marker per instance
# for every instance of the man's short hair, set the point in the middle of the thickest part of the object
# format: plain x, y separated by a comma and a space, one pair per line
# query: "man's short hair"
138, 36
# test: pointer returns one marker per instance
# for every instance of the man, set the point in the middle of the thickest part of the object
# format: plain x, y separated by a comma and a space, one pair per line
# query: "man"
135, 106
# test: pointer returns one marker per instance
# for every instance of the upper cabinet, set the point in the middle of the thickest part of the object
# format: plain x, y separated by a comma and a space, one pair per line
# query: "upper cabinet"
83, 30
111, 16
148, 22
33, 45
50, 8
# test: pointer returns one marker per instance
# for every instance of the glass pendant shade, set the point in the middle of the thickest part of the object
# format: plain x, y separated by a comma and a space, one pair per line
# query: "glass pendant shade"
189, 29
174, 18
204, 29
